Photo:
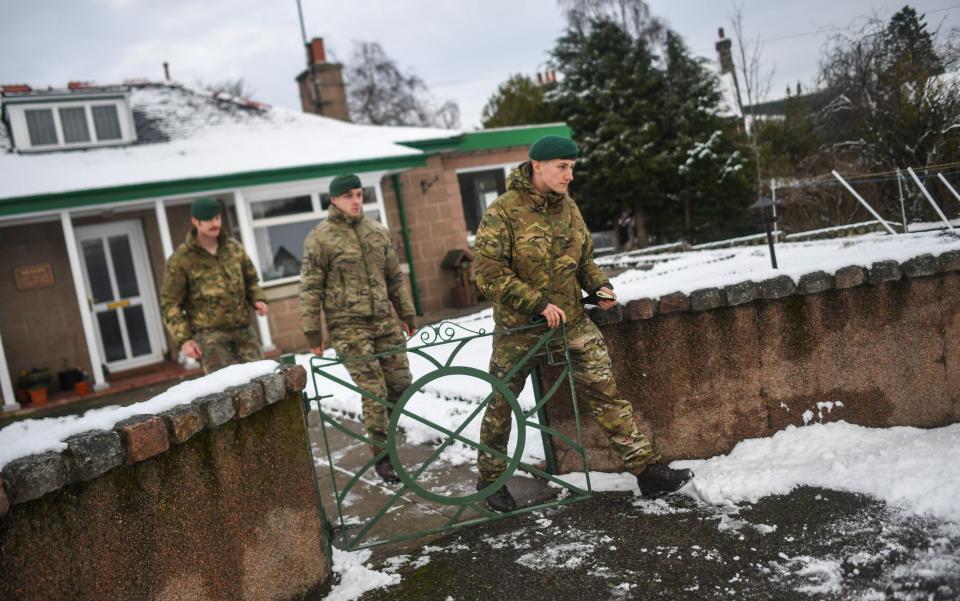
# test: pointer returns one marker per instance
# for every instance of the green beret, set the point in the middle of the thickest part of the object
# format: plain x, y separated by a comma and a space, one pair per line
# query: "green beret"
343, 184
553, 147
205, 208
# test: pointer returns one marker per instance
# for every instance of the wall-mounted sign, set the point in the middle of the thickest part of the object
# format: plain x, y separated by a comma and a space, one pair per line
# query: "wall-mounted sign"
30, 277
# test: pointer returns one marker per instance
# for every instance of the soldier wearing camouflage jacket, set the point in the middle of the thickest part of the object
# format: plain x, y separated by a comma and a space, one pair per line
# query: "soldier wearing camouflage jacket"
351, 274
534, 256
208, 289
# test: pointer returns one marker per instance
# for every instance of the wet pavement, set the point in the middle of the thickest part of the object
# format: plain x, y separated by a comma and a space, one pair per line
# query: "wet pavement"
810, 544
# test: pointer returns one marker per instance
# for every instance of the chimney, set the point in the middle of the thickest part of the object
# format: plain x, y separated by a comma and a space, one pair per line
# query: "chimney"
321, 85
14, 88
725, 57
724, 54
166, 71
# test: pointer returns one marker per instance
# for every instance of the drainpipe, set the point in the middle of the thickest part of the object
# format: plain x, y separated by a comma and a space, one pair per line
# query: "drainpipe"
405, 233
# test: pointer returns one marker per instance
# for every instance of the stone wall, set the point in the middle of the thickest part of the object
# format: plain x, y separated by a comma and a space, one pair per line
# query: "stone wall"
877, 346
212, 500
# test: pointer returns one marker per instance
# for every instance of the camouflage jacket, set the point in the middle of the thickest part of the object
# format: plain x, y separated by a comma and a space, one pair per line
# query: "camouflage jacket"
534, 249
350, 270
208, 292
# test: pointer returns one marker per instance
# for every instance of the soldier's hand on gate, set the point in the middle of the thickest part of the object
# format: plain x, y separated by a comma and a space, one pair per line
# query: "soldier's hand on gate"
608, 299
408, 329
261, 308
317, 350
191, 349
554, 315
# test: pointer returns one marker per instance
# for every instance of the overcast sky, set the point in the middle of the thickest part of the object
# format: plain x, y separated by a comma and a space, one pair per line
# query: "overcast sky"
462, 49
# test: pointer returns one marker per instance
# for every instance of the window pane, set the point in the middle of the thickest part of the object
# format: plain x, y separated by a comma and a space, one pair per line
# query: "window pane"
123, 266
111, 336
137, 330
369, 197
40, 126
477, 190
96, 262
281, 206
106, 122
280, 248
74, 124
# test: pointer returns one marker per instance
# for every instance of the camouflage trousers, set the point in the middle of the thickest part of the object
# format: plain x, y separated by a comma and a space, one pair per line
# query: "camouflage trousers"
593, 377
386, 377
225, 347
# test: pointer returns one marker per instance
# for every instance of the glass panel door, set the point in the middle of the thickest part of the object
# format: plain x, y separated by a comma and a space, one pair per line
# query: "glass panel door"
117, 278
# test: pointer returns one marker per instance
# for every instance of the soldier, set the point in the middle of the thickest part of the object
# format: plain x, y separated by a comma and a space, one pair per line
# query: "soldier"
351, 272
534, 255
209, 284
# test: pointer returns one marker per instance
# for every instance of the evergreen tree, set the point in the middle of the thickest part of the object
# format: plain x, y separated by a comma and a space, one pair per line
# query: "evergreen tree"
611, 96
710, 181
519, 101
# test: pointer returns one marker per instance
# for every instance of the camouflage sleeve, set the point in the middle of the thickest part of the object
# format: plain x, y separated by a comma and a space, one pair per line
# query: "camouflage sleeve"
252, 282
590, 277
396, 287
173, 294
313, 285
495, 278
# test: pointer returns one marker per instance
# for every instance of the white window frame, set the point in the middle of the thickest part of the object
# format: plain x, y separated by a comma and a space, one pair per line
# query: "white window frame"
21, 133
313, 189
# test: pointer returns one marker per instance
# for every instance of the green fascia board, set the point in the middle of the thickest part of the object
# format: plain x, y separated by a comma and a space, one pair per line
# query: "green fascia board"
79, 198
487, 139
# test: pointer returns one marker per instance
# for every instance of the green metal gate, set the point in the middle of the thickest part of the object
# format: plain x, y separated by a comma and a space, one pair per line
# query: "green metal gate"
449, 511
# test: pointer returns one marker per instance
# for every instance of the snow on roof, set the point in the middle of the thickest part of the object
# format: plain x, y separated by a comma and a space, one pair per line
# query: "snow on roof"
186, 133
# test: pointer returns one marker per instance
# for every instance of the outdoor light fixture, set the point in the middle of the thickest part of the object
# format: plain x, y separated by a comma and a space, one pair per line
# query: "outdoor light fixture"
764, 213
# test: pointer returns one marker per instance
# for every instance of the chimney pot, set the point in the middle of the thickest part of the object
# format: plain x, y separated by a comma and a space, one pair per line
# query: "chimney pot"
166, 71
317, 53
720, 33
539, 78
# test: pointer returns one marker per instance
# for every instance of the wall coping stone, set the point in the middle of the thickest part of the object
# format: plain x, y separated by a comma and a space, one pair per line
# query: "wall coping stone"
144, 436
33, 476
949, 261
782, 286
95, 452
674, 303
608, 317
920, 266
641, 308
814, 283
741, 293
705, 299
217, 409
884, 271
183, 422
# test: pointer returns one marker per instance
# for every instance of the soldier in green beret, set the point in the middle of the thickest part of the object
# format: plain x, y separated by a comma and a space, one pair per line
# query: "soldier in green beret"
209, 286
351, 274
534, 256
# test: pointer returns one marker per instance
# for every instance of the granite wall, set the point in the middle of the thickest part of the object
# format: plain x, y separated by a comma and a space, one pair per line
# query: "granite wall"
212, 500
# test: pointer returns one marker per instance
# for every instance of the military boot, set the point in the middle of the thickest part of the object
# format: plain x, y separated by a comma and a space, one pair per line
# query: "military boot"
500, 501
658, 480
385, 470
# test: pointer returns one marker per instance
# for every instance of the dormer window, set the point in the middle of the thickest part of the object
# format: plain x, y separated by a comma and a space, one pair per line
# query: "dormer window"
48, 121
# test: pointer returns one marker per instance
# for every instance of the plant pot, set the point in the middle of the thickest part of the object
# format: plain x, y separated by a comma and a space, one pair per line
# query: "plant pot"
82, 387
38, 396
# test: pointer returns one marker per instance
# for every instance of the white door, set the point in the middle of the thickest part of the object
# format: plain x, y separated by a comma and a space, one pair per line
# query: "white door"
120, 293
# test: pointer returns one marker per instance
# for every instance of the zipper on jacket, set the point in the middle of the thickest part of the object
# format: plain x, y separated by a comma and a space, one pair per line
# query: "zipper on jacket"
366, 267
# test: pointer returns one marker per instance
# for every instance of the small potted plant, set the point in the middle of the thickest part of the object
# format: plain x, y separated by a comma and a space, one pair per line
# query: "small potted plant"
36, 381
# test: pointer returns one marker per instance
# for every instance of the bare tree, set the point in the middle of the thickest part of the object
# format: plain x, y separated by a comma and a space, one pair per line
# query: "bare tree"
754, 79
238, 88
380, 93
633, 16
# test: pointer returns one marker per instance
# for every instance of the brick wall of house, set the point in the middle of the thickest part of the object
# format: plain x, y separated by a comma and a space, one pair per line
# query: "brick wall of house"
40, 327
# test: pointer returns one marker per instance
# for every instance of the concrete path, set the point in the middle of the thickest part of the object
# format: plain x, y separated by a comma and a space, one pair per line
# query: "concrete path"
811, 544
